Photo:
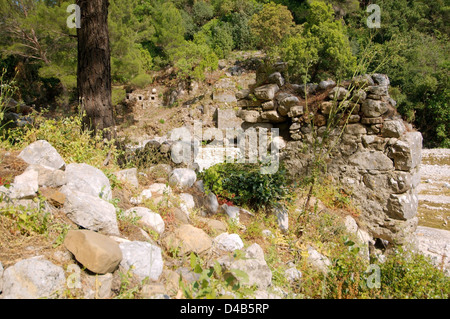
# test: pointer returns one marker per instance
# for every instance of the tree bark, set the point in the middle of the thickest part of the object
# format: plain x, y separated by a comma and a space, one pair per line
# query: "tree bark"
94, 66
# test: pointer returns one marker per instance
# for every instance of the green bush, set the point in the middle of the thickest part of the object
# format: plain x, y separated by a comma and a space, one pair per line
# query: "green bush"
245, 185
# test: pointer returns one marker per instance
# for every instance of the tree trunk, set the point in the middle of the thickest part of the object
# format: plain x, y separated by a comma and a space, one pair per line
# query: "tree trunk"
94, 66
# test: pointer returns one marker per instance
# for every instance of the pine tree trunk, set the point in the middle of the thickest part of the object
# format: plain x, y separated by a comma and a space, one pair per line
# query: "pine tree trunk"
94, 66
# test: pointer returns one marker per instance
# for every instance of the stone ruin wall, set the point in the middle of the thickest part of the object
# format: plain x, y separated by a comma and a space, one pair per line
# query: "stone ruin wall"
377, 157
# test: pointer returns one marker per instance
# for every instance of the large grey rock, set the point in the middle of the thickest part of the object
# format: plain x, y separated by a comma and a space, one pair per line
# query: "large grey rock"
292, 274
128, 176
33, 278
25, 185
362, 81
338, 93
144, 259
187, 203
282, 219
394, 128
255, 266
266, 92
403, 206
378, 90
98, 253
49, 177
407, 152
249, 116
228, 242
374, 108
371, 161
42, 153
285, 104
182, 178
273, 116
323, 85
317, 260
276, 78
211, 203
89, 180
147, 218
90, 212
233, 212
381, 79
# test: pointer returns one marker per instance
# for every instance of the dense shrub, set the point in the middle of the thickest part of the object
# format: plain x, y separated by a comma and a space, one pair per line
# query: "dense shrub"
243, 184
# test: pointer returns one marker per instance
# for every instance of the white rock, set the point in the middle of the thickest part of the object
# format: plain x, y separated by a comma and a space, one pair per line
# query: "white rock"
255, 266
292, 274
41, 152
182, 177
145, 194
282, 219
187, 203
145, 258
148, 218
88, 179
317, 260
350, 224
267, 233
128, 175
90, 212
228, 242
232, 212
160, 189
33, 278
25, 185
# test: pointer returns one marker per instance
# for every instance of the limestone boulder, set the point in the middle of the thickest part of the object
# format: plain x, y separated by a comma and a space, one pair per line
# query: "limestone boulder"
89, 180
228, 242
403, 206
128, 176
90, 212
33, 278
147, 218
42, 153
143, 259
407, 152
266, 92
182, 178
394, 128
374, 108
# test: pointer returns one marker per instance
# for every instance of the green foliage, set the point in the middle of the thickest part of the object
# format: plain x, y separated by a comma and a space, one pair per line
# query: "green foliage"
7, 90
320, 49
193, 59
67, 135
215, 282
202, 12
271, 25
412, 46
244, 184
411, 275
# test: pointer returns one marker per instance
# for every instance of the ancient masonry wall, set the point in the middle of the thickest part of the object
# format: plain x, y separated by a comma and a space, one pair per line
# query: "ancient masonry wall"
377, 156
